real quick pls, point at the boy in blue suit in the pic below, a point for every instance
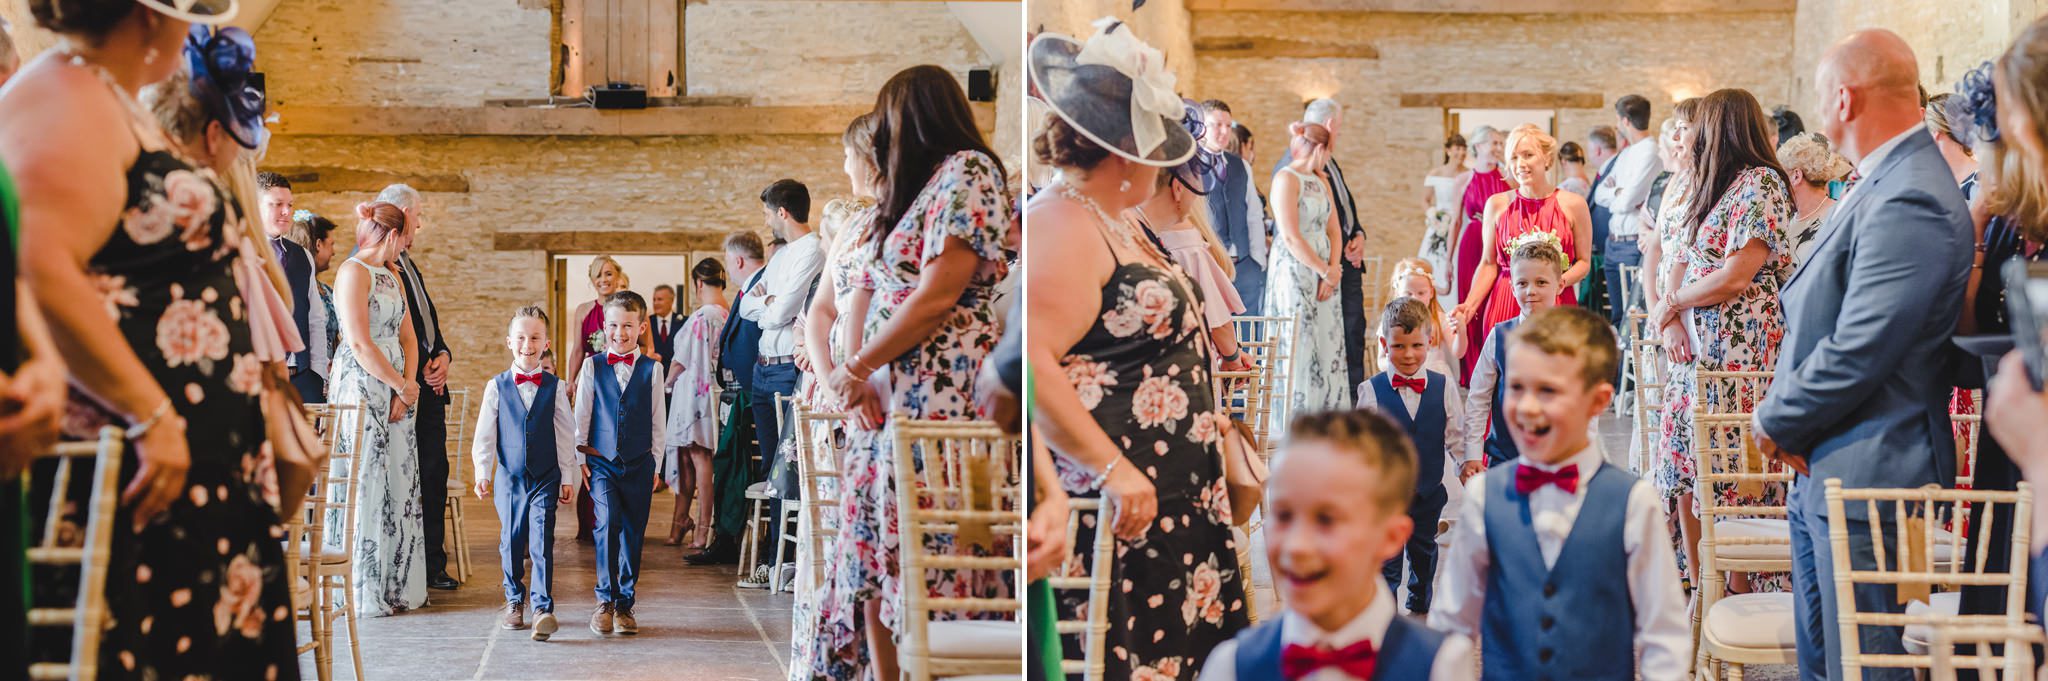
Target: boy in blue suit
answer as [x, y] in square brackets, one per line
[1560, 562]
[1421, 403]
[1536, 271]
[525, 439]
[1324, 547]
[619, 410]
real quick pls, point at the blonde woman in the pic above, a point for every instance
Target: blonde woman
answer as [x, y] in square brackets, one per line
[1811, 163]
[1535, 205]
[1177, 216]
[607, 278]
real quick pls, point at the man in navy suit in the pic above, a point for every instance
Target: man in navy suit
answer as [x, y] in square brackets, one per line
[1234, 209]
[662, 321]
[275, 193]
[1860, 394]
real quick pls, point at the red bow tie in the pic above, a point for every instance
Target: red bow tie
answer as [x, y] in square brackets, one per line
[616, 358]
[1357, 660]
[1528, 479]
[519, 379]
[1415, 384]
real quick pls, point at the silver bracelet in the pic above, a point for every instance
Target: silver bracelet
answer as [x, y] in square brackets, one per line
[141, 428]
[1109, 468]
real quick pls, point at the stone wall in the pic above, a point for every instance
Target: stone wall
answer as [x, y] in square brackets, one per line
[461, 53]
[1387, 148]
[1949, 36]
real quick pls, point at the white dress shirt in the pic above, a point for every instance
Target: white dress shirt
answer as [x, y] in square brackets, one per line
[1662, 631]
[1255, 215]
[1479, 400]
[1454, 413]
[1625, 190]
[484, 453]
[317, 323]
[586, 397]
[775, 302]
[1876, 156]
[1453, 659]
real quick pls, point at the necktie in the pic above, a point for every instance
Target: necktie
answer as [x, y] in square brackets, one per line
[520, 379]
[1357, 660]
[277, 246]
[1414, 384]
[616, 358]
[1528, 479]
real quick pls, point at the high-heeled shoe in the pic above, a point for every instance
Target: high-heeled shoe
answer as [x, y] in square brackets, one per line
[676, 533]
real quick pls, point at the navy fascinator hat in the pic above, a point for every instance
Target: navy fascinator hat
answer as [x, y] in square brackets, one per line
[223, 64]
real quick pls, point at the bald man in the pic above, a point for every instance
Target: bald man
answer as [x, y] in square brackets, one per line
[1859, 393]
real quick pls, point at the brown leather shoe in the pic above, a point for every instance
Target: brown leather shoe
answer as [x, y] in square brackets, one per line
[515, 616]
[601, 621]
[544, 626]
[624, 623]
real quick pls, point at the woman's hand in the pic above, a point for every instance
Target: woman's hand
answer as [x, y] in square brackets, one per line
[398, 409]
[863, 406]
[1242, 362]
[410, 393]
[1137, 501]
[34, 401]
[164, 457]
[1325, 289]
[1677, 344]
[1046, 537]
[842, 381]
[1463, 313]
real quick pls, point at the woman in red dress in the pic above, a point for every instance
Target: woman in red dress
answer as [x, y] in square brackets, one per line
[1535, 205]
[1481, 183]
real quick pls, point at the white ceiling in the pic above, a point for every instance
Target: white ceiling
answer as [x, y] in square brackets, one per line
[997, 26]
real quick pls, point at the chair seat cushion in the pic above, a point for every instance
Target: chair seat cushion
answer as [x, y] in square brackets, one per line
[1944, 604]
[328, 555]
[975, 639]
[759, 490]
[1753, 528]
[1753, 621]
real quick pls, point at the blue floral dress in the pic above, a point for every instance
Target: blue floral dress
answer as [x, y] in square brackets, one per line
[390, 546]
[965, 199]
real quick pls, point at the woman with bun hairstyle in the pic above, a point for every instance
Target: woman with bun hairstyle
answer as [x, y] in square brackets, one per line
[1302, 280]
[196, 583]
[372, 369]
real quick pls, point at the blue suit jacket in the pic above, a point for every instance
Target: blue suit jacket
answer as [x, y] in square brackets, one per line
[1860, 387]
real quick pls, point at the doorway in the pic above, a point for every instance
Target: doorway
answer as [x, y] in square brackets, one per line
[570, 286]
[1466, 121]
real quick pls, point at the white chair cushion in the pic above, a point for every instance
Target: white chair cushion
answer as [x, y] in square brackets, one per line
[1753, 621]
[975, 639]
[1947, 604]
[759, 490]
[1753, 528]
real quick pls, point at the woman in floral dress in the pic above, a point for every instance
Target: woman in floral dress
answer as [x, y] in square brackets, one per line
[934, 269]
[1302, 279]
[196, 577]
[1726, 274]
[1122, 390]
[372, 369]
[692, 412]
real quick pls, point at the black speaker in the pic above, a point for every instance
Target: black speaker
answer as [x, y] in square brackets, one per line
[981, 85]
[617, 96]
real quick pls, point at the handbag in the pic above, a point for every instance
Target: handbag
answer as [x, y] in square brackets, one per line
[1244, 473]
[295, 446]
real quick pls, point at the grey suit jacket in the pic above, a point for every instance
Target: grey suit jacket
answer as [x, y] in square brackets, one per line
[1860, 386]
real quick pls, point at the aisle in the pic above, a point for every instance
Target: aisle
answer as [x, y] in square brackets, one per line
[1614, 438]
[694, 624]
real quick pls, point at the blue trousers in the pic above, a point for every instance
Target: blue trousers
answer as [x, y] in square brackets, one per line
[1815, 605]
[1425, 509]
[622, 491]
[526, 529]
[1621, 253]
[1351, 295]
[1250, 282]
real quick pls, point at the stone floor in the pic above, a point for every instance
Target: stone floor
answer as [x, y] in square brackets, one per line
[694, 624]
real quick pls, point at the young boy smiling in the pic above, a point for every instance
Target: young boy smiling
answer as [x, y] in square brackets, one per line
[1424, 406]
[619, 410]
[525, 458]
[1536, 271]
[1326, 549]
[1578, 614]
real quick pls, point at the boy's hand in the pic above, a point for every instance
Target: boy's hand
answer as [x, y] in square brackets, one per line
[1470, 468]
[586, 475]
[568, 493]
[483, 489]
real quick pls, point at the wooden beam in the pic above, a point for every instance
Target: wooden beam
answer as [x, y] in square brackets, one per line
[620, 241]
[408, 121]
[1503, 100]
[337, 179]
[1257, 47]
[1498, 6]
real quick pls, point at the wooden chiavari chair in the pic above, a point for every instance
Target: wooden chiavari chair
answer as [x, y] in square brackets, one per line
[818, 441]
[1949, 640]
[331, 503]
[457, 528]
[84, 547]
[1736, 630]
[305, 533]
[958, 478]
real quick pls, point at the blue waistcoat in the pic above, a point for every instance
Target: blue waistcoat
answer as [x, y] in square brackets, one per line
[1574, 620]
[1425, 428]
[622, 421]
[526, 435]
[1408, 651]
[1499, 445]
[1227, 206]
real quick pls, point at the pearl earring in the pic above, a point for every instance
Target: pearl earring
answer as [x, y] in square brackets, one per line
[1124, 188]
[150, 56]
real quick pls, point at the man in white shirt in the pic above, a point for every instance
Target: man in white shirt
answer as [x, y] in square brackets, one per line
[774, 304]
[1622, 193]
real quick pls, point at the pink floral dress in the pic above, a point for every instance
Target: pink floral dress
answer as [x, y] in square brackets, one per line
[1143, 370]
[200, 591]
[965, 199]
[1740, 334]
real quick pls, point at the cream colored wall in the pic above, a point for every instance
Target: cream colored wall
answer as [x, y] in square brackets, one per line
[1948, 36]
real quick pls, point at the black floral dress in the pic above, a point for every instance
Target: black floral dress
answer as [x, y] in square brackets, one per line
[200, 592]
[1143, 370]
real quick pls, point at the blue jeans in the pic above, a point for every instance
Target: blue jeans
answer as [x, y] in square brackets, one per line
[1815, 605]
[1621, 253]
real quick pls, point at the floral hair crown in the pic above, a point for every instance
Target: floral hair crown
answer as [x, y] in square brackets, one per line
[1536, 237]
[302, 215]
